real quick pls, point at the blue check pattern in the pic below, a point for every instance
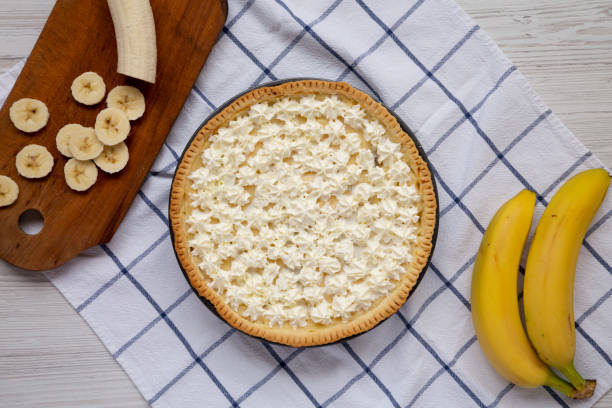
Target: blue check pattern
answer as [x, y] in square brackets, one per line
[487, 136]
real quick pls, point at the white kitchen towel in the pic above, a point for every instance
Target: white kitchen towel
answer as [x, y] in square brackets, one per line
[487, 135]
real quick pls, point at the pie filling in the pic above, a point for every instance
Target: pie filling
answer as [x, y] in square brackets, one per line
[303, 211]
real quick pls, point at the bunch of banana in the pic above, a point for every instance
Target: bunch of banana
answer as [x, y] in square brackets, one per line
[548, 286]
[495, 310]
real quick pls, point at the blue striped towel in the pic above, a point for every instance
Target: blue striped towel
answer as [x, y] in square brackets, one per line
[488, 136]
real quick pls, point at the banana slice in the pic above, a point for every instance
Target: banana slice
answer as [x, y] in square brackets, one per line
[29, 115]
[112, 126]
[62, 140]
[9, 191]
[34, 161]
[84, 145]
[113, 158]
[88, 88]
[128, 99]
[80, 175]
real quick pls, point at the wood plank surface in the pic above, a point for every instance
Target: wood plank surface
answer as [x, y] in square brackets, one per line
[101, 208]
[50, 357]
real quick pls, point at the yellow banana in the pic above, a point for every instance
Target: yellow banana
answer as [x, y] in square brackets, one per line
[551, 265]
[494, 299]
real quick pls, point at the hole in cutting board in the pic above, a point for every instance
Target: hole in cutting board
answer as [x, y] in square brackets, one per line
[31, 221]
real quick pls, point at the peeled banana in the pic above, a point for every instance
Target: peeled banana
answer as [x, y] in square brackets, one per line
[551, 265]
[34, 161]
[9, 191]
[112, 126]
[80, 175]
[127, 99]
[84, 145]
[113, 158]
[494, 299]
[88, 88]
[136, 40]
[29, 115]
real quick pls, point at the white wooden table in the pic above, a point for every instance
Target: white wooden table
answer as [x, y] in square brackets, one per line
[50, 357]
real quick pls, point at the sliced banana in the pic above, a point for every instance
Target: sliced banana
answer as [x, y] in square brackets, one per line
[62, 140]
[112, 126]
[84, 145]
[128, 99]
[113, 158]
[9, 191]
[34, 161]
[80, 175]
[29, 115]
[88, 88]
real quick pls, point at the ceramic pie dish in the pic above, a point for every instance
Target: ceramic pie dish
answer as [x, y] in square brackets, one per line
[303, 212]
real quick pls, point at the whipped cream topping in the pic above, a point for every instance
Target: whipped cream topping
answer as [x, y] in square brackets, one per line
[303, 211]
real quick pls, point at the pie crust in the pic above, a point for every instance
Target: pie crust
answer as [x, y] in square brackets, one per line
[312, 334]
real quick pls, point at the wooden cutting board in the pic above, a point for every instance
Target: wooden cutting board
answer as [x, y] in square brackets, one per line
[79, 36]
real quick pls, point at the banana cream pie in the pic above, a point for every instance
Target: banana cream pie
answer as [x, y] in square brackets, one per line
[303, 212]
